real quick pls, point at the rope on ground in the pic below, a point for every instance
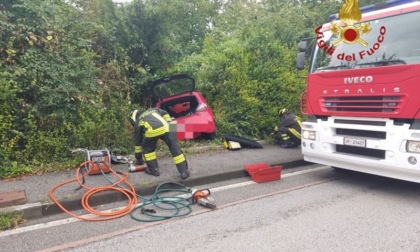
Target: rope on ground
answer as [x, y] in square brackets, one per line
[129, 193]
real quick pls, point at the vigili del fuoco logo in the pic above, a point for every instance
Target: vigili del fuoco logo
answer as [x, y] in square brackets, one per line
[350, 33]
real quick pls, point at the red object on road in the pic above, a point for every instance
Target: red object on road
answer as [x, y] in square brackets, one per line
[262, 172]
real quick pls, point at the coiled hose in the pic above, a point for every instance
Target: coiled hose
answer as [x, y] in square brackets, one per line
[130, 193]
[174, 205]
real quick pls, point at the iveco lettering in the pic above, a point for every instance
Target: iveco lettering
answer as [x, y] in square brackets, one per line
[361, 79]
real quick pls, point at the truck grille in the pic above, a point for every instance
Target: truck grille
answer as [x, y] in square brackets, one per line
[384, 104]
[363, 152]
[357, 151]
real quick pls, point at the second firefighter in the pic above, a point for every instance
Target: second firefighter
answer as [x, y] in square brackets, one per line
[288, 129]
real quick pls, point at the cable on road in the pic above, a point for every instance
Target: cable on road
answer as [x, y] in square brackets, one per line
[169, 200]
[129, 193]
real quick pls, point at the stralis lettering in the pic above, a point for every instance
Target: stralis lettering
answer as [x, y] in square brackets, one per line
[362, 91]
[358, 79]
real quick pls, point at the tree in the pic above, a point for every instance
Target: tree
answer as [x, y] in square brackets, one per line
[60, 60]
[246, 69]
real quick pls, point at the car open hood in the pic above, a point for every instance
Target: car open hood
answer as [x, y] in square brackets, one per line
[172, 86]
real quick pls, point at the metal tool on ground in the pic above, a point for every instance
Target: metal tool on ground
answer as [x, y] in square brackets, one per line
[203, 198]
[136, 168]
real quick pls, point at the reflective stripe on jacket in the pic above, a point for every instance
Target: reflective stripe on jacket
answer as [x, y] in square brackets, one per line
[152, 122]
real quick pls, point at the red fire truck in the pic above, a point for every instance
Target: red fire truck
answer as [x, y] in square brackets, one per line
[362, 98]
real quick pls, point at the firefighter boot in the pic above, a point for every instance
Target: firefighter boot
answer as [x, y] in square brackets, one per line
[154, 172]
[183, 170]
[288, 144]
[185, 174]
[152, 167]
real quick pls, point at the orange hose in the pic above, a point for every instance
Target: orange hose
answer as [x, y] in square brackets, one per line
[102, 215]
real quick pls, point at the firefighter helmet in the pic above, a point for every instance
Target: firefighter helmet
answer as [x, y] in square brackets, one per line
[283, 111]
[135, 115]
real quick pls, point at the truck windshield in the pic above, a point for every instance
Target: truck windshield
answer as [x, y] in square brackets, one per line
[391, 41]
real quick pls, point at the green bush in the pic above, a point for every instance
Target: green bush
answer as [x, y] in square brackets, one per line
[71, 71]
[245, 82]
[13, 169]
[9, 135]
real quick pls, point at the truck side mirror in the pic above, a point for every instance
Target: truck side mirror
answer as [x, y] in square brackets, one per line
[302, 46]
[300, 61]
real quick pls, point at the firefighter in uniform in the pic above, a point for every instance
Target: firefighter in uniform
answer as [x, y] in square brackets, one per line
[151, 125]
[288, 129]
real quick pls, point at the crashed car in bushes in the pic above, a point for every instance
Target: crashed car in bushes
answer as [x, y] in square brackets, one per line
[193, 117]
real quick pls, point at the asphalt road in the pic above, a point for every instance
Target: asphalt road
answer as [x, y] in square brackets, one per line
[311, 208]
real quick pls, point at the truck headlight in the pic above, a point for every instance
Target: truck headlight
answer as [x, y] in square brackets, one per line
[308, 135]
[412, 146]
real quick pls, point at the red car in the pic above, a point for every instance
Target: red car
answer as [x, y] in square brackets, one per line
[193, 117]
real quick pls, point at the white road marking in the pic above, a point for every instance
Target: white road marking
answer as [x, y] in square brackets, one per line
[222, 188]
[72, 219]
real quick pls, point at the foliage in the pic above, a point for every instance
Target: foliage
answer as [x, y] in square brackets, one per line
[63, 84]
[72, 70]
[9, 137]
[247, 72]
[9, 220]
[14, 170]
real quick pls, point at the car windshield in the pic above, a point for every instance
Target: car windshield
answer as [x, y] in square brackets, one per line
[379, 42]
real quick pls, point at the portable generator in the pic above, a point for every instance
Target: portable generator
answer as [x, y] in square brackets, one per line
[100, 161]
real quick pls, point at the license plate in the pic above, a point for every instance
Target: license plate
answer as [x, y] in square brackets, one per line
[355, 142]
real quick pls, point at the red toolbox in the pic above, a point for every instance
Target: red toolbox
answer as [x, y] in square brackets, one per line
[262, 172]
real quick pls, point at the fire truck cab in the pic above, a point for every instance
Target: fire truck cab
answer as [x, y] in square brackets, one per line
[362, 98]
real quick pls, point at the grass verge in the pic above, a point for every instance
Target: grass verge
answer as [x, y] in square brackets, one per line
[9, 220]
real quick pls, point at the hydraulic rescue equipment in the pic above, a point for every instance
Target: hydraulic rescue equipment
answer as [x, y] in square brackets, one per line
[203, 198]
[96, 161]
[136, 168]
[99, 162]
